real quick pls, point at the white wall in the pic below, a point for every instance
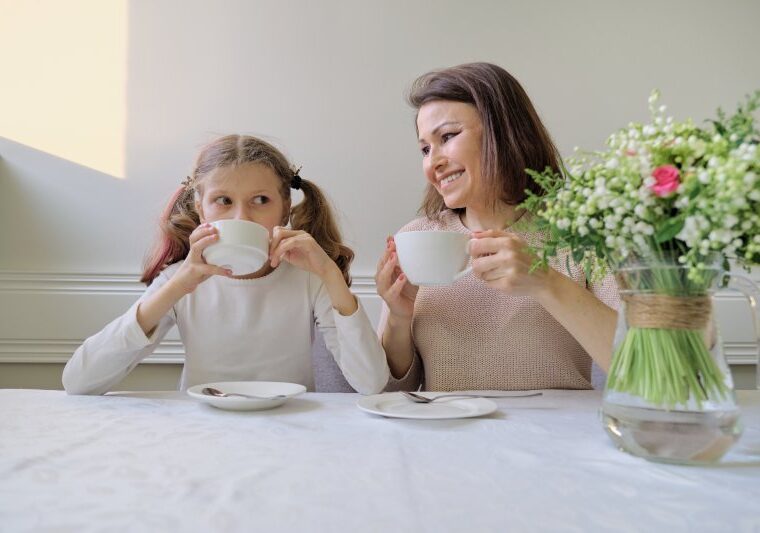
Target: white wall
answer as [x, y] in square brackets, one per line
[105, 104]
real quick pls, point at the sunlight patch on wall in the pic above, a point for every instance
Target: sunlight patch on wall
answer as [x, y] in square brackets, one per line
[64, 79]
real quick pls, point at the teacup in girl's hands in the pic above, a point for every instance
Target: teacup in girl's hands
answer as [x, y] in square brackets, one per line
[243, 246]
[433, 257]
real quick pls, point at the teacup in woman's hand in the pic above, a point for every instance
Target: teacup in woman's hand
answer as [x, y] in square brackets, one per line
[243, 246]
[433, 257]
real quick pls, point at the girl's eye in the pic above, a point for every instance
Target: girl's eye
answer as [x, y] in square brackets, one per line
[425, 150]
[446, 136]
[260, 200]
[222, 200]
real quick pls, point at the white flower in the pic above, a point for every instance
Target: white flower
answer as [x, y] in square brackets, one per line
[643, 228]
[721, 236]
[563, 223]
[612, 163]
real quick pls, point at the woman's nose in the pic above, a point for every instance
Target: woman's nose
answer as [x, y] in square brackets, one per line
[437, 160]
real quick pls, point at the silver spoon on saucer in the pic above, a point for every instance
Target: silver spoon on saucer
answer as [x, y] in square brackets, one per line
[418, 398]
[210, 391]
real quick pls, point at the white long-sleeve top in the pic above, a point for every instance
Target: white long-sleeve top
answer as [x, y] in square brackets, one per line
[238, 330]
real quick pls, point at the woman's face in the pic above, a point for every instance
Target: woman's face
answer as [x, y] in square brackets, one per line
[450, 137]
[247, 192]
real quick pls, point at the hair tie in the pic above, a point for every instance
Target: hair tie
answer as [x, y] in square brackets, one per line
[295, 181]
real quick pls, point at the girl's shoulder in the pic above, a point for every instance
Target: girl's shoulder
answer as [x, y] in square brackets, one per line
[447, 221]
[168, 272]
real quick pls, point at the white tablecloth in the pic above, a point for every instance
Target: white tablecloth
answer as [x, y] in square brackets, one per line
[162, 462]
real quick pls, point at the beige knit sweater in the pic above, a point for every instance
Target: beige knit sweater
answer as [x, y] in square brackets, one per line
[470, 336]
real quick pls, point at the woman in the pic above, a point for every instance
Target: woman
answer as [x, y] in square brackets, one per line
[503, 326]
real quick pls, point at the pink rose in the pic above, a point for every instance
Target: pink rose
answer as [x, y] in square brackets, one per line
[667, 180]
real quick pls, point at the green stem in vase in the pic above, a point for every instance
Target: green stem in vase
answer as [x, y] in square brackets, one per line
[666, 367]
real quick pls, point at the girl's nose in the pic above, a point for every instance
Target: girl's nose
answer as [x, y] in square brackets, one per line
[242, 214]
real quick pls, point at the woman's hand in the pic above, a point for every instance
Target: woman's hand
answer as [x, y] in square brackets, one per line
[301, 250]
[392, 284]
[195, 270]
[503, 260]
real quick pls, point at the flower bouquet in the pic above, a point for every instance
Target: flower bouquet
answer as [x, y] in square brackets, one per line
[665, 206]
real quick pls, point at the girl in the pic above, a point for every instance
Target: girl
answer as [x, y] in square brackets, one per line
[504, 326]
[253, 327]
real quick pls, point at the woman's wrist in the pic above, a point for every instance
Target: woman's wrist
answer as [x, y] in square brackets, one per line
[550, 287]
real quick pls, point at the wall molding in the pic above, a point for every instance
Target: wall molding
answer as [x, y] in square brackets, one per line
[40, 349]
[116, 283]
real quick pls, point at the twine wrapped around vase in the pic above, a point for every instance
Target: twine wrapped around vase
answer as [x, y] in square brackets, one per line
[667, 312]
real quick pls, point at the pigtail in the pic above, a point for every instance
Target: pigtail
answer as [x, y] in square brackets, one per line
[177, 222]
[314, 215]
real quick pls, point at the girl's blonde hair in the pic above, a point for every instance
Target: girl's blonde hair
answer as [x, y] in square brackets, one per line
[313, 215]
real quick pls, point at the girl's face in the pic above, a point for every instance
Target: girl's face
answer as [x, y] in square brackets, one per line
[247, 192]
[450, 136]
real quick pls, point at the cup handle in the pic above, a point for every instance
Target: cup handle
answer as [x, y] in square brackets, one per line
[463, 273]
[747, 286]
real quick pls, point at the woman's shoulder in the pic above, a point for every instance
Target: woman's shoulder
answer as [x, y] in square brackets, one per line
[447, 221]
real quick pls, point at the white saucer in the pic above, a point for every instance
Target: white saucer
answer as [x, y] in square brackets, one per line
[239, 258]
[395, 405]
[258, 388]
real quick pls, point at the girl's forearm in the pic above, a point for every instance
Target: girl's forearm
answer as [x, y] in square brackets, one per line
[582, 314]
[343, 300]
[154, 307]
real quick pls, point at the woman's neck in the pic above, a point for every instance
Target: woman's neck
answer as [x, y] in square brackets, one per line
[480, 219]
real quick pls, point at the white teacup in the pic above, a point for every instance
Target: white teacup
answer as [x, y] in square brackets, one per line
[433, 257]
[243, 246]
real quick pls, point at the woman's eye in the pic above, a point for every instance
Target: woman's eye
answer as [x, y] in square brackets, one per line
[446, 136]
[425, 150]
[222, 200]
[260, 200]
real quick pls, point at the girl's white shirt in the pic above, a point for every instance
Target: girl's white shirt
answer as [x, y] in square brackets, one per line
[238, 330]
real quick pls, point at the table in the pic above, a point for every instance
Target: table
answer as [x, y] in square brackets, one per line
[163, 462]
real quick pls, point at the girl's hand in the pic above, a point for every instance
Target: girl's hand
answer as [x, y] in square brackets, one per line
[301, 250]
[195, 270]
[392, 284]
[503, 260]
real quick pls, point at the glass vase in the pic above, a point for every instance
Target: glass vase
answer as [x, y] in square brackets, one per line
[669, 394]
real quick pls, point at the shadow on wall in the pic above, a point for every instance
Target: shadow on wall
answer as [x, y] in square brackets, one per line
[51, 213]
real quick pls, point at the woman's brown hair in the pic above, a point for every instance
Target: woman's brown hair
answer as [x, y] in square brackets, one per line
[514, 137]
[313, 214]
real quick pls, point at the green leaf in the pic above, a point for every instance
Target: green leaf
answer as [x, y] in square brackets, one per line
[669, 230]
